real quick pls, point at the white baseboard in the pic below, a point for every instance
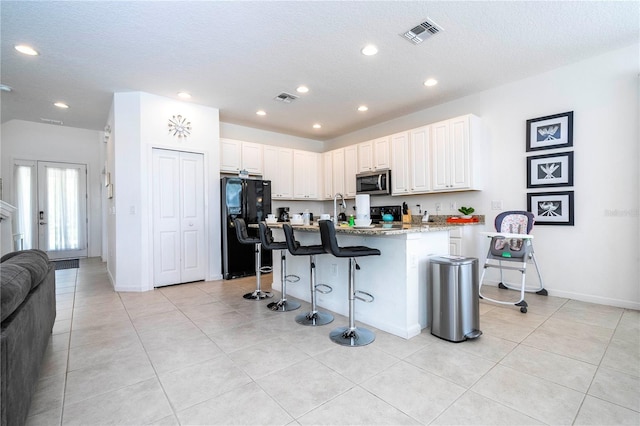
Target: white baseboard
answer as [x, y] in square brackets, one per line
[628, 304]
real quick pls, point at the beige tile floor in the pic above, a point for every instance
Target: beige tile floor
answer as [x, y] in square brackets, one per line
[201, 354]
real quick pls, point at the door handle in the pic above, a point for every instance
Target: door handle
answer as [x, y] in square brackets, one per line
[43, 223]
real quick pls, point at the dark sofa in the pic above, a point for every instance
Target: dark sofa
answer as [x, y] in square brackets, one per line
[28, 311]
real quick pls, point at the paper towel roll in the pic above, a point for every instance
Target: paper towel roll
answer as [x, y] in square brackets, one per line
[362, 206]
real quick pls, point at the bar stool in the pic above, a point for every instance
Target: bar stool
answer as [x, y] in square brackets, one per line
[283, 305]
[351, 335]
[244, 238]
[314, 317]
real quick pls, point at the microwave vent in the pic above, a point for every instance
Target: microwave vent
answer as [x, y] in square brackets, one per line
[422, 31]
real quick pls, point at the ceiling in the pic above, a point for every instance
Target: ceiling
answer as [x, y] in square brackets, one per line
[238, 55]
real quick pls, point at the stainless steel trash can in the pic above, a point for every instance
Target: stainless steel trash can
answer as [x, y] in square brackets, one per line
[455, 311]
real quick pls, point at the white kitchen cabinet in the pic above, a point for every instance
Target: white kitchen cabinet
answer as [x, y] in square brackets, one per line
[238, 155]
[455, 242]
[327, 164]
[455, 150]
[400, 163]
[306, 166]
[419, 160]
[466, 241]
[382, 153]
[337, 157]
[365, 156]
[350, 170]
[374, 155]
[278, 168]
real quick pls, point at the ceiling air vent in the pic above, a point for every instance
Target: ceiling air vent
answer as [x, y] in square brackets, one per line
[285, 97]
[421, 32]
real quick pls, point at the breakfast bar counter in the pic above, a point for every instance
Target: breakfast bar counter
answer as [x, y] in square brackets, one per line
[397, 278]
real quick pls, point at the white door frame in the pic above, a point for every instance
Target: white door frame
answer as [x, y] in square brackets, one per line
[202, 207]
[41, 213]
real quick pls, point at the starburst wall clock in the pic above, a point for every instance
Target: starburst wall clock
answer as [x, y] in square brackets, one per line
[179, 126]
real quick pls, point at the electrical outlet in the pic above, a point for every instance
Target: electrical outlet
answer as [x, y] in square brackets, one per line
[453, 206]
[438, 207]
[496, 205]
[334, 270]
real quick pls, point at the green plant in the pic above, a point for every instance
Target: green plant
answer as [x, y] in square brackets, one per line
[466, 210]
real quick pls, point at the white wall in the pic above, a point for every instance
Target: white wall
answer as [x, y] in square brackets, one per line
[596, 260]
[250, 134]
[139, 125]
[26, 140]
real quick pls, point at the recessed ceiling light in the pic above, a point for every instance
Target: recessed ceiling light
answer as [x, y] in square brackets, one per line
[431, 82]
[369, 50]
[27, 50]
[61, 105]
[302, 89]
[261, 112]
[363, 108]
[184, 95]
[317, 126]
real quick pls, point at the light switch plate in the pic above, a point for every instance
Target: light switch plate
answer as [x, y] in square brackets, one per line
[496, 205]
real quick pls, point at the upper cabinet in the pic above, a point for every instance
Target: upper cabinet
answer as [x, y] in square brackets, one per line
[350, 171]
[238, 155]
[419, 163]
[278, 168]
[327, 164]
[400, 163]
[306, 167]
[455, 150]
[337, 157]
[374, 155]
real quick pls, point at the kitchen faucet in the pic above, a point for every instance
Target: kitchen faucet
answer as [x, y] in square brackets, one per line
[335, 206]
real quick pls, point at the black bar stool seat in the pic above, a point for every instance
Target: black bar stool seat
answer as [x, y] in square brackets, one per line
[244, 238]
[266, 237]
[351, 335]
[314, 317]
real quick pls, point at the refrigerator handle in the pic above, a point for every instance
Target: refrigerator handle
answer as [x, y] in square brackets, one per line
[244, 203]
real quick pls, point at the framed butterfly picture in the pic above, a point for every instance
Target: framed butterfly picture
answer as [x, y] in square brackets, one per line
[551, 170]
[552, 131]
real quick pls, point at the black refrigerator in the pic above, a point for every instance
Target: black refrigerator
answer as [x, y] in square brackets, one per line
[248, 199]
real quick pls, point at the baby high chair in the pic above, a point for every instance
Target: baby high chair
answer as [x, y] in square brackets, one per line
[512, 243]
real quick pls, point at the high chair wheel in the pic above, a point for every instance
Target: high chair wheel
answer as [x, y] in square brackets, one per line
[502, 286]
[542, 292]
[523, 310]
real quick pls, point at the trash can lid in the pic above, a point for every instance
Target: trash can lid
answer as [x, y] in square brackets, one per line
[453, 260]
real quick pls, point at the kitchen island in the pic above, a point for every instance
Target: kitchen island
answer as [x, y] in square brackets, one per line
[397, 278]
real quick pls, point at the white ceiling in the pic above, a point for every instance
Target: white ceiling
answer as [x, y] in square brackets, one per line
[237, 56]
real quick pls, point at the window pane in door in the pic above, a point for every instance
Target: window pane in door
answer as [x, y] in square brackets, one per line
[63, 208]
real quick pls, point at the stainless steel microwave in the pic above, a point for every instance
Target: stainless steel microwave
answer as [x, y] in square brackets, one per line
[374, 183]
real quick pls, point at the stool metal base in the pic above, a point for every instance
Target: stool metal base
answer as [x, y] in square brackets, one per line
[347, 336]
[283, 306]
[317, 318]
[257, 295]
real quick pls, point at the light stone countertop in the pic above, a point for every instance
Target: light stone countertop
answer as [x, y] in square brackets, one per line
[394, 228]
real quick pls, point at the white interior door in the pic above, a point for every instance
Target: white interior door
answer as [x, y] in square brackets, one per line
[178, 217]
[62, 209]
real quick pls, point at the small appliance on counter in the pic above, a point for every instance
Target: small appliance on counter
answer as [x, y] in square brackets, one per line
[377, 213]
[283, 214]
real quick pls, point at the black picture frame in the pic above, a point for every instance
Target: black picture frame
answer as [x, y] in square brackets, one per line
[552, 131]
[551, 208]
[550, 170]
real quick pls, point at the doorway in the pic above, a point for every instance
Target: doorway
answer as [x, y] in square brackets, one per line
[52, 202]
